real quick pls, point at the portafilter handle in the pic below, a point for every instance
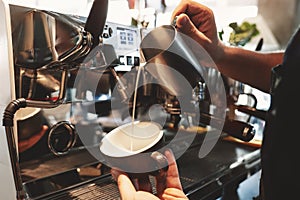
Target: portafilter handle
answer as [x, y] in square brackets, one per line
[239, 129]
[261, 114]
[234, 128]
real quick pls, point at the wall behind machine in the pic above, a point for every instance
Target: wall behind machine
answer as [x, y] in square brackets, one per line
[282, 17]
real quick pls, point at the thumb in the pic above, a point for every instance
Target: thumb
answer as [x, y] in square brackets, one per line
[186, 26]
[126, 188]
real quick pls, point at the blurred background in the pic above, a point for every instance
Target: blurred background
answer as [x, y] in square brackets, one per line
[281, 16]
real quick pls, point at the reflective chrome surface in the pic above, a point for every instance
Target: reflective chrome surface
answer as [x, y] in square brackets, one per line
[43, 37]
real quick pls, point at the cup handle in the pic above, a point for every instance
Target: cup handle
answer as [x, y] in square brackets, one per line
[162, 164]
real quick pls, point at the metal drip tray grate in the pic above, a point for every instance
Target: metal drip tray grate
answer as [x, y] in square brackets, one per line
[94, 191]
[100, 190]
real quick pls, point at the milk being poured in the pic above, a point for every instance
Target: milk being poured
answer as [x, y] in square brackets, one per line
[133, 107]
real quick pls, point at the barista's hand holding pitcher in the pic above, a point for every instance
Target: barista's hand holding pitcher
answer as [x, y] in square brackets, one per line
[168, 187]
[198, 22]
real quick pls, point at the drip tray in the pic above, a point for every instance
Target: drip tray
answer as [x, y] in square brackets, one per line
[74, 176]
[50, 165]
[101, 188]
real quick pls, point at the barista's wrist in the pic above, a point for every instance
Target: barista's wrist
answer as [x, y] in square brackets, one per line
[219, 56]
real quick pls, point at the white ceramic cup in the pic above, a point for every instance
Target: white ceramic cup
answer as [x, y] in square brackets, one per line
[133, 147]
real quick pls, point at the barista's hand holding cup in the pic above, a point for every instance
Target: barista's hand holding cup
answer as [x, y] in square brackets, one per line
[134, 148]
[168, 186]
[132, 152]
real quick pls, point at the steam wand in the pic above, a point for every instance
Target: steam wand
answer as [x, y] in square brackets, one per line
[8, 122]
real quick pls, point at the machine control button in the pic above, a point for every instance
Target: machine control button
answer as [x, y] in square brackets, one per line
[129, 60]
[110, 31]
[136, 61]
[122, 60]
[105, 35]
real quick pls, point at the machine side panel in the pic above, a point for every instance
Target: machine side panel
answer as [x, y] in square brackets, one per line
[7, 189]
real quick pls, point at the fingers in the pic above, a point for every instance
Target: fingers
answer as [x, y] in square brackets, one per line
[198, 22]
[198, 30]
[141, 195]
[181, 8]
[186, 26]
[173, 194]
[115, 173]
[172, 179]
[144, 183]
[168, 184]
[160, 184]
[191, 8]
[126, 188]
[194, 19]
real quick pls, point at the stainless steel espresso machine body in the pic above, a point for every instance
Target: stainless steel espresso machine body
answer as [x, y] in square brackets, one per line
[64, 67]
[78, 74]
[44, 49]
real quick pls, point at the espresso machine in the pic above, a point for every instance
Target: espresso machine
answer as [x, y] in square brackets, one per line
[58, 74]
[42, 50]
[76, 76]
